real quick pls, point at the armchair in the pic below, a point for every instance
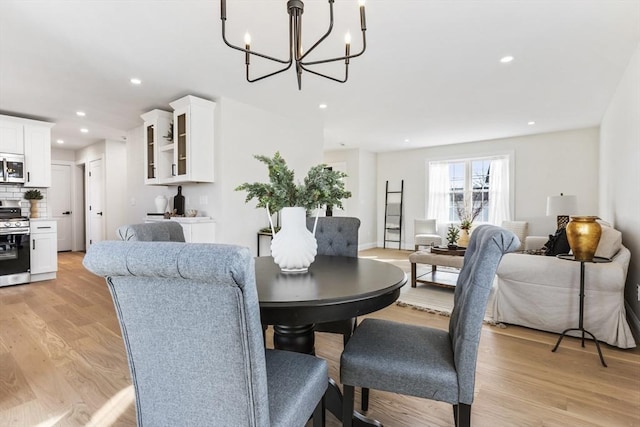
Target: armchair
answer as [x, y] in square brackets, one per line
[190, 322]
[426, 233]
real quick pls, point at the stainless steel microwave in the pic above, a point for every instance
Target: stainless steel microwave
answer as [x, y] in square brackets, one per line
[12, 168]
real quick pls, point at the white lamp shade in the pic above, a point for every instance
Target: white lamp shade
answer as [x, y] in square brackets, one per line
[562, 205]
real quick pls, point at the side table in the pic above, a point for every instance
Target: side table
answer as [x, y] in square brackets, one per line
[581, 315]
[260, 234]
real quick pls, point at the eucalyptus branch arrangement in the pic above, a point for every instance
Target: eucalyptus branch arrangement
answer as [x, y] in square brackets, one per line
[322, 186]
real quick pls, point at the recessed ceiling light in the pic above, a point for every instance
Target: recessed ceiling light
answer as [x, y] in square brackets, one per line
[406, 140]
[59, 141]
[135, 81]
[506, 59]
[531, 123]
[322, 106]
[80, 113]
[84, 130]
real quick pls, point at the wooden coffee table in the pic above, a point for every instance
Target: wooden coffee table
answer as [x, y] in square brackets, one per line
[435, 257]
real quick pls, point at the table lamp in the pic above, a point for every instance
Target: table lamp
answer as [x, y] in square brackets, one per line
[562, 206]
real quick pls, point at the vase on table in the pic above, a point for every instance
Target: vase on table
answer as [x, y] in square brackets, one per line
[463, 240]
[583, 234]
[294, 247]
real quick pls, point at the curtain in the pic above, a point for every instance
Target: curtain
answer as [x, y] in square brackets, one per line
[499, 191]
[438, 201]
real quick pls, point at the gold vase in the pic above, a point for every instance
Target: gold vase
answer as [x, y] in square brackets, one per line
[583, 234]
[33, 211]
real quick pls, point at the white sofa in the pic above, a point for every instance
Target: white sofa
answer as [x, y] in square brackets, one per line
[542, 292]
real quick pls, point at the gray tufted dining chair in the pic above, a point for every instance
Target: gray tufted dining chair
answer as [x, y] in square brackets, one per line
[190, 322]
[161, 231]
[336, 236]
[426, 362]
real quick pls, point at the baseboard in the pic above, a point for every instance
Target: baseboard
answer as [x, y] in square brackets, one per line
[634, 322]
[365, 246]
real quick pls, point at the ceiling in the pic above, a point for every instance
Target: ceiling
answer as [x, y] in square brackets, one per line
[431, 74]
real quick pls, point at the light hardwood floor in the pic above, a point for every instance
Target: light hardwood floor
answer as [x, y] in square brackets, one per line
[62, 363]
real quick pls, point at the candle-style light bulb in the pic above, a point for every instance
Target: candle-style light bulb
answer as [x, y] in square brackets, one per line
[247, 46]
[347, 47]
[363, 20]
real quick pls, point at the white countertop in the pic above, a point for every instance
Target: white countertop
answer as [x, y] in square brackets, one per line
[192, 219]
[41, 219]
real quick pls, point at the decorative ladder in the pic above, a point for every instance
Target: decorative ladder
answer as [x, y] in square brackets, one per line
[393, 215]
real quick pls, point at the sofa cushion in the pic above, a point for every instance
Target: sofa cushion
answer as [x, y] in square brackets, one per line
[610, 242]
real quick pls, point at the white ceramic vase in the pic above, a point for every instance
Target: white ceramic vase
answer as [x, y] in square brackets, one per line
[293, 247]
[161, 204]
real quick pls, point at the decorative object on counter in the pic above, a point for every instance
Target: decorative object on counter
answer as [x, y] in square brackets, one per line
[33, 196]
[178, 202]
[583, 234]
[452, 236]
[191, 213]
[161, 204]
[294, 247]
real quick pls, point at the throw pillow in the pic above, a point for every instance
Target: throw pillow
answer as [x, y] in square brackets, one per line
[610, 242]
[557, 244]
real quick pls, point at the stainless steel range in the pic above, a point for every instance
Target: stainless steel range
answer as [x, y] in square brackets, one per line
[14, 245]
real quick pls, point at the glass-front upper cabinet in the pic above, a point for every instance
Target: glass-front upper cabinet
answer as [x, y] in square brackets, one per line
[158, 140]
[194, 140]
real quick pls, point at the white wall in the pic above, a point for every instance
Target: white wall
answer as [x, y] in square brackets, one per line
[114, 155]
[241, 131]
[620, 173]
[361, 181]
[244, 132]
[545, 164]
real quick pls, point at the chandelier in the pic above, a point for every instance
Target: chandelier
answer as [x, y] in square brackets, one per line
[295, 9]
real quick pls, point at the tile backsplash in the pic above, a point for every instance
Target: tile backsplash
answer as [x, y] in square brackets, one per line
[16, 192]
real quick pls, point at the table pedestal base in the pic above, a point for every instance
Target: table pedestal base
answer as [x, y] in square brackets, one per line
[301, 339]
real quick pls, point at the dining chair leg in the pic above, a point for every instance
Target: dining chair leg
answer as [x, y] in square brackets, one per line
[462, 415]
[364, 403]
[347, 405]
[318, 414]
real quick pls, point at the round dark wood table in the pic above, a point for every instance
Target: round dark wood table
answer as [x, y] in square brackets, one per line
[334, 288]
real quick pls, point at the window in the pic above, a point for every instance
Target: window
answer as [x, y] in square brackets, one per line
[472, 186]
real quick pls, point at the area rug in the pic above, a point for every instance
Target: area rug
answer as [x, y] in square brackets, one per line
[424, 297]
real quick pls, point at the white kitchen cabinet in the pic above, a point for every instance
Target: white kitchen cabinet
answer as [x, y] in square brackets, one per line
[33, 139]
[37, 156]
[44, 249]
[11, 135]
[193, 138]
[157, 126]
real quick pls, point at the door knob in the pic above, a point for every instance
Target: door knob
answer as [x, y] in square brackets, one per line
[99, 213]
[66, 213]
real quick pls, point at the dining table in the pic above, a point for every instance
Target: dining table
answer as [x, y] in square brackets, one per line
[334, 288]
